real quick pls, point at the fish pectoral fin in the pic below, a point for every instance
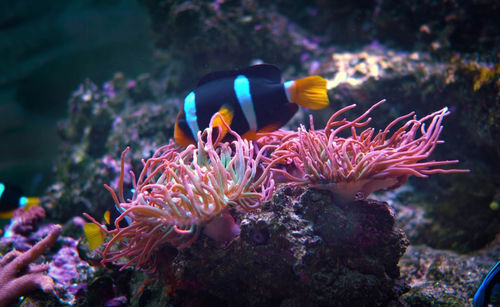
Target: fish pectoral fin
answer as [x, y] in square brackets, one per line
[94, 234]
[310, 92]
[253, 135]
[223, 121]
[249, 135]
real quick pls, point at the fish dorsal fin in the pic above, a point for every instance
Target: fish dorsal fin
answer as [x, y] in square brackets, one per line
[107, 217]
[266, 71]
[216, 75]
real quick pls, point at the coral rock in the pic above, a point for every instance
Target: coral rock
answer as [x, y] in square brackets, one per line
[302, 249]
[18, 278]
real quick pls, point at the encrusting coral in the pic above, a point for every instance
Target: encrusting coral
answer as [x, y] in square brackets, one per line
[180, 191]
[25, 222]
[18, 278]
[362, 162]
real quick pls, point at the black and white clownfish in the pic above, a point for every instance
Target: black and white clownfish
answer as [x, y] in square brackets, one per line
[250, 100]
[12, 198]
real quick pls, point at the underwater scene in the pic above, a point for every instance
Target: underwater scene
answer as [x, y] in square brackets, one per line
[249, 153]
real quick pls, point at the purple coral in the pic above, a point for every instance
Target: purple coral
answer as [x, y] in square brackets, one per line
[69, 272]
[25, 222]
[17, 277]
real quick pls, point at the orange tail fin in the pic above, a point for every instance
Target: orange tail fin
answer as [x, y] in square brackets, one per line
[309, 92]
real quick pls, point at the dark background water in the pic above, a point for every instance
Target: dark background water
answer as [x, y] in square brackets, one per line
[47, 48]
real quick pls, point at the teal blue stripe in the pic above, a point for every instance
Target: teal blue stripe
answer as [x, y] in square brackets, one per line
[242, 91]
[23, 200]
[190, 111]
[288, 88]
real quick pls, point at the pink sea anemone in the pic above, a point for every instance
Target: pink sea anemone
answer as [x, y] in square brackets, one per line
[364, 161]
[180, 191]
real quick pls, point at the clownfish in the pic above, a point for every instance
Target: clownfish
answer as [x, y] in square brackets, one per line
[488, 293]
[95, 234]
[12, 198]
[250, 100]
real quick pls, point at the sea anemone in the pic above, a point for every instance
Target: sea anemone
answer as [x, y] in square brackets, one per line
[179, 191]
[362, 162]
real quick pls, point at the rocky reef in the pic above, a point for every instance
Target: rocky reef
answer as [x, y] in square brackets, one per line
[294, 234]
[302, 247]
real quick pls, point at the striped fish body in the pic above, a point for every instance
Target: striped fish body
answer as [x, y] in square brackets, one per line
[254, 100]
[12, 198]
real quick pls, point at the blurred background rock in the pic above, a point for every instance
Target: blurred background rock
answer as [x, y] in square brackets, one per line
[47, 48]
